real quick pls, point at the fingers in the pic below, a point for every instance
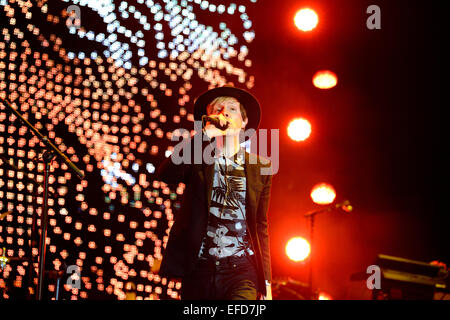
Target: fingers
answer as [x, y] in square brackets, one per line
[222, 119]
[224, 122]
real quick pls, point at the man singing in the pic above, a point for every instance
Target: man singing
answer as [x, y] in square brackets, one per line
[219, 243]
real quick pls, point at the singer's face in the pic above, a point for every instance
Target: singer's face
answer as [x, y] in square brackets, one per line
[230, 108]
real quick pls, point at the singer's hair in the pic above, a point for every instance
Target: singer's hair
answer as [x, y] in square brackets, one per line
[223, 99]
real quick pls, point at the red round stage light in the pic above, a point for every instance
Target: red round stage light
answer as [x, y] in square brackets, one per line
[323, 193]
[298, 249]
[306, 19]
[299, 129]
[325, 79]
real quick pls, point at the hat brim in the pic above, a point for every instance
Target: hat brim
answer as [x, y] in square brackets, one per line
[249, 102]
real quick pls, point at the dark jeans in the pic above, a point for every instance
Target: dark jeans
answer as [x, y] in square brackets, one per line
[233, 278]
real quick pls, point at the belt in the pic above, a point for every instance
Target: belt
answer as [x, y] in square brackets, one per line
[230, 261]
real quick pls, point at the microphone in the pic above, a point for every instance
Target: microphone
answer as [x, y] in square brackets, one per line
[346, 206]
[215, 121]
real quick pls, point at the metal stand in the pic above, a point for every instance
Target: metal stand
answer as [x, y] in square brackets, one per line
[33, 243]
[49, 154]
[312, 293]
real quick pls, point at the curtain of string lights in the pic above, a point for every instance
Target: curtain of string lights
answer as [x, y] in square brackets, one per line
[109, 92]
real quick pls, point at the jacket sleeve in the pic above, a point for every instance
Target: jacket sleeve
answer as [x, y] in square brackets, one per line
[262, 227]
[169, 172]
[177, 167]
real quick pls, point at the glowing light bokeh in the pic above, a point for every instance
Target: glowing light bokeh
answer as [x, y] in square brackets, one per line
[109, 98]
[298, 249]
[306, 19]
[325, 79]
[323, 193]
[299, 129]
[324, 296]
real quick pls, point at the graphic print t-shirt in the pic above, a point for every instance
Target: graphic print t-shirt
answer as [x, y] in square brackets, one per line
[226, 233]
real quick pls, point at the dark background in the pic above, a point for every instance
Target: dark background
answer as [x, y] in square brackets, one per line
[379, 137]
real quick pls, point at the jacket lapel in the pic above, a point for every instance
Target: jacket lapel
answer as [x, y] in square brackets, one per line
[208, 171]
[250, 198]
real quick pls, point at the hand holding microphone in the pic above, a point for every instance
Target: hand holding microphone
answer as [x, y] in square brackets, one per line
[216, 125]
[219, 121]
